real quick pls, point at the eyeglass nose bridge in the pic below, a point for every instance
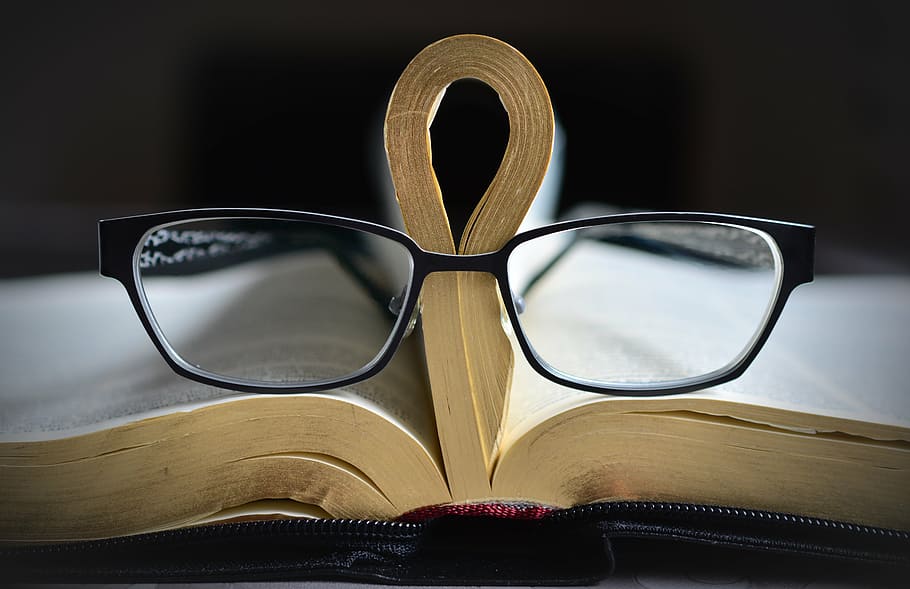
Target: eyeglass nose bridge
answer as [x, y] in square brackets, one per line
[491, 262]
[427, 263]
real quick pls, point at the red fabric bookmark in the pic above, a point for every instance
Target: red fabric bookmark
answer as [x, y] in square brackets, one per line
[506, 510]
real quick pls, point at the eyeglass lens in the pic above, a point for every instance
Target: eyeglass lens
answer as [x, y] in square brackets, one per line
[646, 302]
[270, 300]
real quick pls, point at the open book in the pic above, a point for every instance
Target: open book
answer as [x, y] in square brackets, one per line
[98, 438]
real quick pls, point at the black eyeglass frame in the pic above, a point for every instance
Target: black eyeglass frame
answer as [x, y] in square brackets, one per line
[120, 242]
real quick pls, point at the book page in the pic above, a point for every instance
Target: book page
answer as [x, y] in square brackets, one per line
[839, 350]
[74, 356]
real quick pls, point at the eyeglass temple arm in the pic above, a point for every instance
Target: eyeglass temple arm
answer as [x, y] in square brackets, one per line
[663, 247]
[519, 298]
[379, 295]
[348, 262]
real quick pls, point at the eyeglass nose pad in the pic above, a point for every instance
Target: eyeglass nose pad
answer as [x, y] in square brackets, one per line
[395, 305]
[519, 302]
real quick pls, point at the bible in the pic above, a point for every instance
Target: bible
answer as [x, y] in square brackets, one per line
[100, 439]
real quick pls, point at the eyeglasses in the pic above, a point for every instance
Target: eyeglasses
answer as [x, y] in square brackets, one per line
[273, 301]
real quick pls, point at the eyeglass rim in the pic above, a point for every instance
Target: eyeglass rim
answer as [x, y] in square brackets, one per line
[795, 243]
[121, 239]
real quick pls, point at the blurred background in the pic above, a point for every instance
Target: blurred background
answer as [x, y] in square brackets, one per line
[797, 111]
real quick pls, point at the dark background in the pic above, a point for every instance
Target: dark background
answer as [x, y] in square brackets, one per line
[798, 111]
